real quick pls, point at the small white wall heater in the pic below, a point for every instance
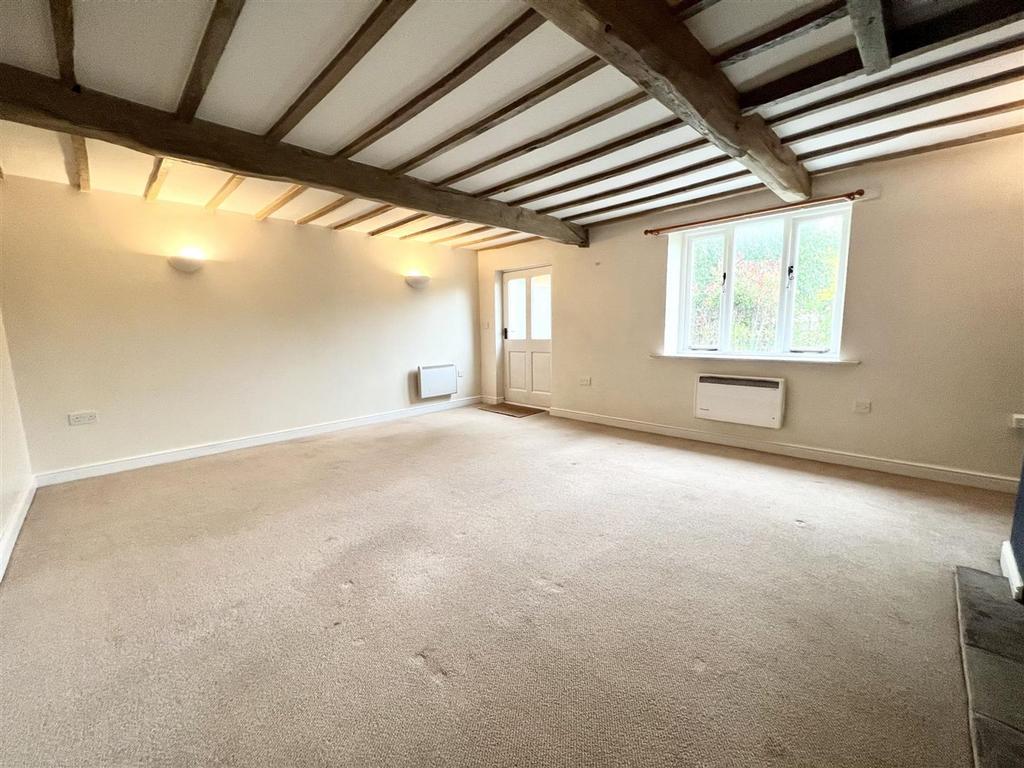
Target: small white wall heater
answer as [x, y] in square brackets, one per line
[437, 380]
[740, 399]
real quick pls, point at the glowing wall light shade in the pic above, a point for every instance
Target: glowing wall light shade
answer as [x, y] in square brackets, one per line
[416, 280]
[189, 259]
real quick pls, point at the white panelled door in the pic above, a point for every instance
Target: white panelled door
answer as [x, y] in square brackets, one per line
[527, 334]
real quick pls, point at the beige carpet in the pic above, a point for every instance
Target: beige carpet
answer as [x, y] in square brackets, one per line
[463, 590]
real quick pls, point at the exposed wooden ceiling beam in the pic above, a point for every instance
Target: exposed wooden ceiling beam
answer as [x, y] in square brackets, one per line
[538, 142]
[687, 9]
[33, 99]
[668, 62]
[377, 24]
[484, 240]
[157, 176]
[515, 107]
[280, 201]
[869, 27]
[905, 43]
[215, 39]
[226, 189]
[784, 33]
[461, 235]
[489, 52]
[359, 218]
[876, 86]
[331, 207]
[79, 163]
[396, 224]
[62, 20]
[508, 245]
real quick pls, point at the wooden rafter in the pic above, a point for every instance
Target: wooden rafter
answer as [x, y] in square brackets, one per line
[869, 27]
[33, 99]
[215, 39]
[489, 52]
[515, 107]
[396, 224]
[508, 245]
[592, 118]
[687, 9]
[226, 189]
[790, 30]
[62, 20]
[487, 239]
[434, 228]
[377, 24]
[359, 218]
[461, 235]
[79, 163]
[670, 64]
[280, 201]
[157, 176]
[331, 207]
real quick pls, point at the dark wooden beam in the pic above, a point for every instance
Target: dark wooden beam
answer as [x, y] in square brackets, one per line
[489, 52]
[215, 39]
[79, 163]
[516, 107]
[869, 27]
[784, 33]
[668, 62]
[377, 24]
[33, 99]
[396, 224]
[904, 43]
[331, 207]
[62, 20]
[226, 189]
[280, 201]
[157, 176]
[538, 142]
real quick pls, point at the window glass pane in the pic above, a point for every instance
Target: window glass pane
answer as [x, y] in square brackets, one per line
[540, 307]
[516, 317]
[816, 273]
[707, 257]
[757, 270]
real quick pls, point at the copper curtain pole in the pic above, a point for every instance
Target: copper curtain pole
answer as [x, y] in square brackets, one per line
[851, 196]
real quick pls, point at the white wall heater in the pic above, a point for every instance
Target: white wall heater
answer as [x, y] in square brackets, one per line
[740, 399]
[437, 380]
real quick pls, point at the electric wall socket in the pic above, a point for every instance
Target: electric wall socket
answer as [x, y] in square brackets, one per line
[585, 381]
[79, 418]
[862, 406]
[1017, 421]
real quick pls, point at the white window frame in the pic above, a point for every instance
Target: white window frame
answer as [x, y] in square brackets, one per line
[680, 265]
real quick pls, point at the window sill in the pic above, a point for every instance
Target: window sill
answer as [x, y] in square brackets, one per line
[753, 359]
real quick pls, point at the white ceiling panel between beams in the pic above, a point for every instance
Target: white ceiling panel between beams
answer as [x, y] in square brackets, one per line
[921, 139]
[599, 89]
[725, 186]
[642, 115]
[118, 169]
[191, 184]
[275, 51]
[430, 39]
[309, 201]
[252, 195]
[32, 152]
[379, 221]
[543, 54]
[139, 51]
[732, 21]
[26, 36]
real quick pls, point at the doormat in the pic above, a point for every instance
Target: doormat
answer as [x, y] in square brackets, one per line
[509, 409]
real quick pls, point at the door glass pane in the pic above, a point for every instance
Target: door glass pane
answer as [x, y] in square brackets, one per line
[757, 270]
[816, 273]
[540, 307]
[707, 258]
[516, 317]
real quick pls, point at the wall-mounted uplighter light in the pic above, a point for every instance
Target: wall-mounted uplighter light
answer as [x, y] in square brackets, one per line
[416, 280]
[189, 259]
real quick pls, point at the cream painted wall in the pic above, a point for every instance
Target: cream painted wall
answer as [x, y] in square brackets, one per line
[17, 482]
[284, 327]
[934, 312]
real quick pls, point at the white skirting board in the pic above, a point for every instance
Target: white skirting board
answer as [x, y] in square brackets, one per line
[492, 400]
[10, 535]
[1011, 570]
[194, 451]
[990, 482]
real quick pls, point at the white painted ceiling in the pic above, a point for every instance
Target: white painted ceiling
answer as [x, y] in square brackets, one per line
[143, 50]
